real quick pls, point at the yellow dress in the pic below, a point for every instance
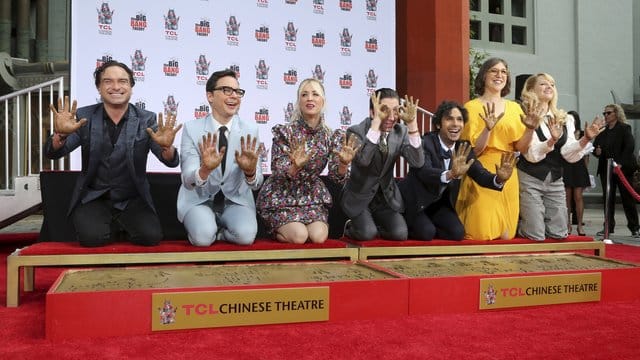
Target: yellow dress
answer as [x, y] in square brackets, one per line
[486, 214]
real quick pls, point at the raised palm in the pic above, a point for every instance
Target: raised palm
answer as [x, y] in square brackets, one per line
[247, 157]
[210, 157]
[64, 119]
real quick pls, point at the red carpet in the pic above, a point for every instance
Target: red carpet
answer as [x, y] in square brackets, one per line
[578, 331]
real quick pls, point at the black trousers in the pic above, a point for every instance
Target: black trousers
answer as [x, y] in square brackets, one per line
[98, 223]
[439, 221]
[628, 203]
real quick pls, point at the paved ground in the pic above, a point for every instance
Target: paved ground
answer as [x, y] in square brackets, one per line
[593, 219]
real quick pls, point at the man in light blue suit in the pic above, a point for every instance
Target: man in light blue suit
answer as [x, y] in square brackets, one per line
[220, 169]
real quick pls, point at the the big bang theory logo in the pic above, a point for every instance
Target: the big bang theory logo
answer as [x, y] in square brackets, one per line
[290, 77]
[262, 3]
[203, 27]
[171, 68]
[371, 45]
[346, 5]
[346, 81]
[262, 33]
[262, 115]
[236, 69]
[317, 39]
[201, 111]
[139, 22]
[105, 19]
[171, 25]
[103, 59]
[141, 104]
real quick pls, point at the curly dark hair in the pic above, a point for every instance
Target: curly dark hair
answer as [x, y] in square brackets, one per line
[97, 74]
[444, 109]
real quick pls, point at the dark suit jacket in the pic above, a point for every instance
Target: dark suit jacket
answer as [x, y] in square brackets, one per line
[422, 187]
[89, 137]
[616, 143]
[370, 171]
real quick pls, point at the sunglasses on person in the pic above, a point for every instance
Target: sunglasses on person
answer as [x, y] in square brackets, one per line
[606, 113]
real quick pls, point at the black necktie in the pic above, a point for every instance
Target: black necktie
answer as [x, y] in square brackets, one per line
[446, 154]
[222, 143]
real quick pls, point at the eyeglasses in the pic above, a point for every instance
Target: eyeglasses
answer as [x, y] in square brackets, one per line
[229, 90]
[498, 72]
[606, 113]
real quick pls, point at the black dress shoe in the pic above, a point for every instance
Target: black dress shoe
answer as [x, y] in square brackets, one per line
[635, 234]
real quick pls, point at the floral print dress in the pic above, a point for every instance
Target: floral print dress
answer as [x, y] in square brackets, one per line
[304, 197]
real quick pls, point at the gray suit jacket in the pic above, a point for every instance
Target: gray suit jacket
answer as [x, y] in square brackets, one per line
[370, 171]
[89, 138]
[232, 184]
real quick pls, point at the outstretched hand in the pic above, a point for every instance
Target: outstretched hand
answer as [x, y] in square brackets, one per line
[532, 116]
[298, 154]
[508, 162]
[409, 110]
[555, 128]
[350, 147]
[596, 127]
[489, 116]
[166, 131]
[64, 119]
[459, 163]
[380, 112]
[210, 157]
[247, 157]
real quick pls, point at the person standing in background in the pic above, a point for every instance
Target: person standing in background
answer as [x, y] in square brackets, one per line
[617, 142]
[576, 179]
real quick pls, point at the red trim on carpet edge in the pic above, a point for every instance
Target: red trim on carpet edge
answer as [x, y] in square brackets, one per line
[19, 237]
[389, 243]
[56, 248]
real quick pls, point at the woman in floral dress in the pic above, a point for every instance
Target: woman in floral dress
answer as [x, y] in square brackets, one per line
[294, 201]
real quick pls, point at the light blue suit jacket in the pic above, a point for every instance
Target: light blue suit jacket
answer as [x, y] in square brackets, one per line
[232, 184]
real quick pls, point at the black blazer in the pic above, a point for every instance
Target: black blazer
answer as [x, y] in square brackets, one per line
[616, 143]
[422, 187]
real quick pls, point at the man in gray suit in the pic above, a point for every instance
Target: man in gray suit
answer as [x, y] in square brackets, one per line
[371, 199]
[215, 201]
[112, 192]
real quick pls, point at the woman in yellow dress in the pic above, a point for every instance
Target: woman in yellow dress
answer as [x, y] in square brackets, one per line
[488, 214]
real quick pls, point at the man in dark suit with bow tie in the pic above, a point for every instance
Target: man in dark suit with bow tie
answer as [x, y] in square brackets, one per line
[430, 191]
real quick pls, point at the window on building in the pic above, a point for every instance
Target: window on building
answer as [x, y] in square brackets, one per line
[501, 24]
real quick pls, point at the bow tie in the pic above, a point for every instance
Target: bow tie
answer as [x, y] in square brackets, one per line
[446, 154]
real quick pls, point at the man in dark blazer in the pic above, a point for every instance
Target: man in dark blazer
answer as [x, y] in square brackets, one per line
[616, 142]
[112, 191]
[371, 198]
[430, 191]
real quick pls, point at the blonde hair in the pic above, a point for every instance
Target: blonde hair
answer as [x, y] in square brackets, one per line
[529, 97]
[619, 112]
[316, 85]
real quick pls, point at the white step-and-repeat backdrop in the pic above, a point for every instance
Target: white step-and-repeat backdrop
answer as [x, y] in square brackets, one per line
[174, 46]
